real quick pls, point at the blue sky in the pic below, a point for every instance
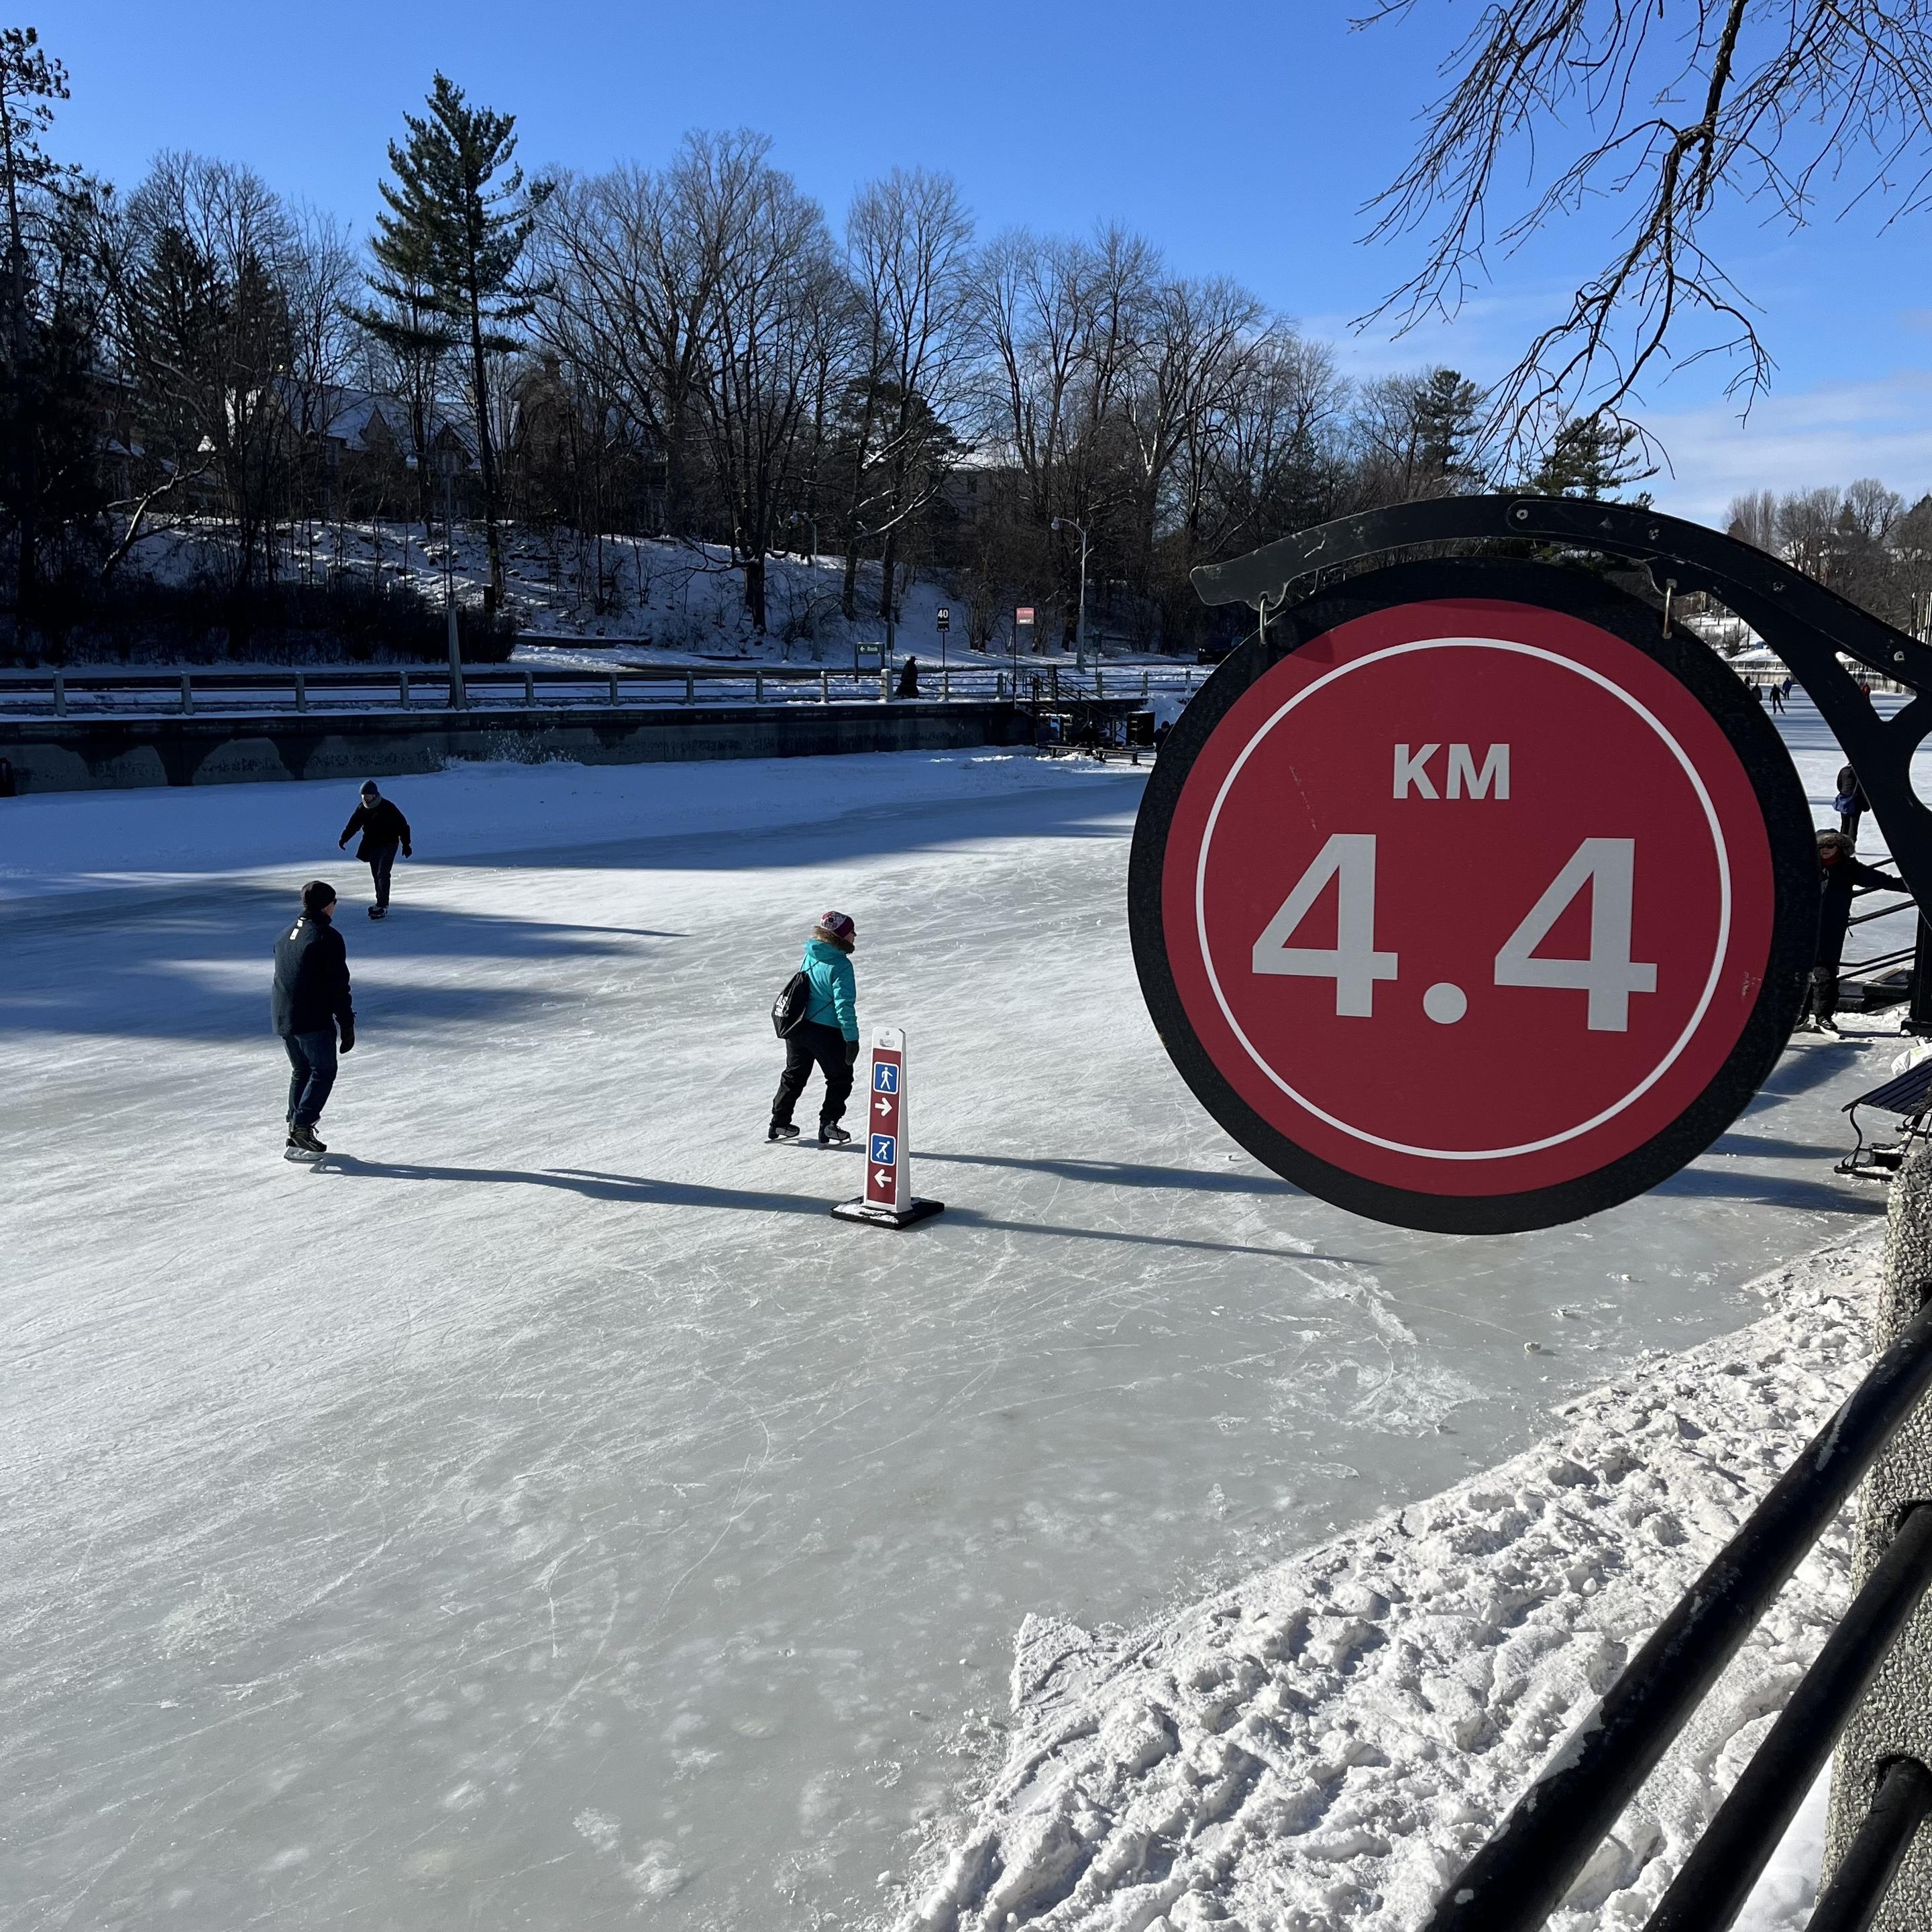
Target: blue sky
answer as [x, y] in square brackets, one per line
[1242, 138]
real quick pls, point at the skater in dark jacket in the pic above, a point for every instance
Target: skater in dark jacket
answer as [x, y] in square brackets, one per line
[1840, 874]
[383, 828]
[310, 1007]
[828, 1035]
[909, 678]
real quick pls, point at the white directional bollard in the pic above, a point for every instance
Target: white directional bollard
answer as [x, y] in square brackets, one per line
[888, 1201]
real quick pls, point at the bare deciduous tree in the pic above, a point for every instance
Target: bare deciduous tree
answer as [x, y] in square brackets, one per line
[906, 239]
[1665, 111]
[199, 264]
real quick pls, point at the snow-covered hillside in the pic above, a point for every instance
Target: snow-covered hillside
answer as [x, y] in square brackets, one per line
[682, 599]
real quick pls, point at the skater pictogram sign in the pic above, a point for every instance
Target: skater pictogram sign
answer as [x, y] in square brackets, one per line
[886, 1185]
[1466, 898]
[888, 1197]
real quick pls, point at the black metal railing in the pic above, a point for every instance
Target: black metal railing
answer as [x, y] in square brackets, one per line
[1871, 1862]
[1520, 1876]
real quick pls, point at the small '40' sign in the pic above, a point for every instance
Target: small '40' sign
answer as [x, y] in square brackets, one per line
[1470, 900]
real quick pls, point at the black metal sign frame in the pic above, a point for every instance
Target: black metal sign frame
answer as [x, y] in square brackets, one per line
[1810, 627]
[1807, 625]
[1753, 740]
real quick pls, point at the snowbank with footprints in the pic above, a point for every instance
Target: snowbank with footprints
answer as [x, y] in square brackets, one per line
[1323, 1745]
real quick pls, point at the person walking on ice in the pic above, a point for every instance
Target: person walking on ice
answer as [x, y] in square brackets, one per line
[383, 828]
[828, 1035]
[310, 1006]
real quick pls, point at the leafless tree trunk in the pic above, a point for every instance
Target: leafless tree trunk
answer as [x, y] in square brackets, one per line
[906, 239]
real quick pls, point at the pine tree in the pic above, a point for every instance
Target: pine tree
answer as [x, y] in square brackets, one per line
[460, 217]
[47, 360]
[1588, 457]
[1446, 411]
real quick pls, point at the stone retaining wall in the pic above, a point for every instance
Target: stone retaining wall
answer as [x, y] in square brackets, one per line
[112, 754]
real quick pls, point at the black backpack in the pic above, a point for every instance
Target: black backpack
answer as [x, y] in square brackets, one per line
[788, 1009]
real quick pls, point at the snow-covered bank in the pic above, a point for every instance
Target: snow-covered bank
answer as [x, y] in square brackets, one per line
[1325, 1745]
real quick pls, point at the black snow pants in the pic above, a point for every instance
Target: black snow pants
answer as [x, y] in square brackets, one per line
[381, 865]
[1821, 993]
[807, 1043]
[311, 1074]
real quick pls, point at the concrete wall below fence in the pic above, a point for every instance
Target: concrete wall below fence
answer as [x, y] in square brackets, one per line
[112, 754]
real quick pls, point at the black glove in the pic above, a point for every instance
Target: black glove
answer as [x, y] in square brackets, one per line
[851, 1053]
[348, 1030]
[407, 853]
[340, 843]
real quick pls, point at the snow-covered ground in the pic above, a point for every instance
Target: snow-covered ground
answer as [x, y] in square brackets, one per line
[544, 1514]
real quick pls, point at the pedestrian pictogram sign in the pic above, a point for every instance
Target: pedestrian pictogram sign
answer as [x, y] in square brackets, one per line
[888, 1197]
[1472, 901]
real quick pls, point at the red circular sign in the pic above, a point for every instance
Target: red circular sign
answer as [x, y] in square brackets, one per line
[1469, 898]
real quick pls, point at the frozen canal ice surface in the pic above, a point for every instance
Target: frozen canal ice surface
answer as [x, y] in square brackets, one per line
[544, 1512]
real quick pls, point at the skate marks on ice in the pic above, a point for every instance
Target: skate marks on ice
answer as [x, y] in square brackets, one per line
[1227, 1179]
[632, 1189]
[639, 1191]
[1328, 1742]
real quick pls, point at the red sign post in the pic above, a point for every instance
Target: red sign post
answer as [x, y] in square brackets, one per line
[1473, 912]
[888, 1200]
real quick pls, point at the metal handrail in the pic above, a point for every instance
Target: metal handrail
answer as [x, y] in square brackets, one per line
[106, 676]
[1901, 1803]
[294, 687]
[1883, 912]
[1710, 1891]
[1518, 1878]
[1863, 969]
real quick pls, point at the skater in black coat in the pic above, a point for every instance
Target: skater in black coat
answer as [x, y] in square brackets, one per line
[909, 678]
[310, 1007]
[383, 828]
[1841, 874]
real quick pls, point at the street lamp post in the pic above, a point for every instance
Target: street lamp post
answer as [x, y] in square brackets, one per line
[447, 461]
[1080, 622]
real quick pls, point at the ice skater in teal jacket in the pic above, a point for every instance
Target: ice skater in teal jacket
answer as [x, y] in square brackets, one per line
[828, 1035]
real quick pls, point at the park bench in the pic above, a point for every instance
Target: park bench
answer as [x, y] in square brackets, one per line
[1906, 1097]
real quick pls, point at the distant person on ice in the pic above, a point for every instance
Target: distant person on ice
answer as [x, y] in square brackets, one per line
[1840, 874]
[310, 1006]
[383, 828]
[909, 678]
[828, 1035]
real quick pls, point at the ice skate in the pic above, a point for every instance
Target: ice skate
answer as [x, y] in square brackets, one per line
[782, 1130]
[302, 1141]
[831, 1134]
[379, 912]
